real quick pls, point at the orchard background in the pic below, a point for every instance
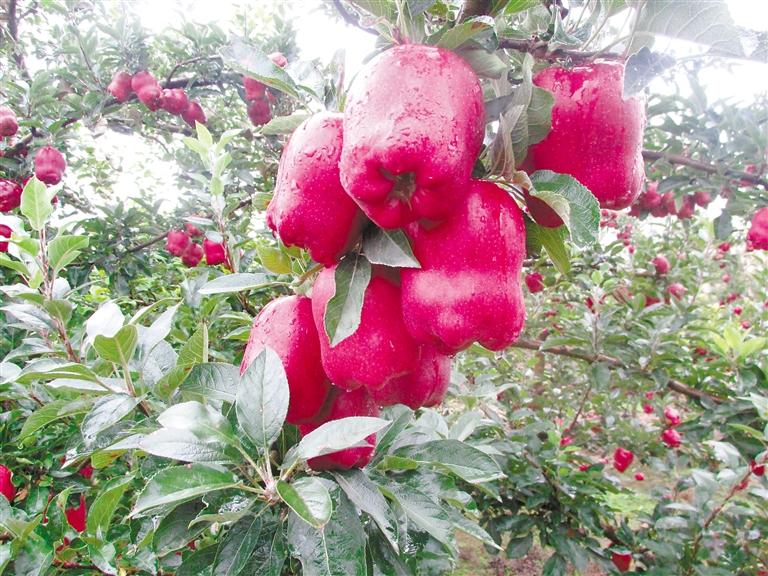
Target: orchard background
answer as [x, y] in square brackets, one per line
[625, 428]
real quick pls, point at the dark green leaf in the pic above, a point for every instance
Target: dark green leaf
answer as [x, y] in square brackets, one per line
[215, 381]
[308, 498]
[342, 315]
[573, 202]
[107, 411]
[120, 347]
[388, 248]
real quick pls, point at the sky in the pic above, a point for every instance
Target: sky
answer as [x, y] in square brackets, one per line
[320, 36]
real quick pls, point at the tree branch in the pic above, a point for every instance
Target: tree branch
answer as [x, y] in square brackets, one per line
[347, 16]
[653, 155]
[540, 49]
[472, 8]
[13, 30]
[570, 352]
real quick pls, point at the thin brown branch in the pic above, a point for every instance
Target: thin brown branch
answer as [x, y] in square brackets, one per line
[183, 63]
[13, 31]
[540, 49]
[577, 354]
[653, 156]
[349, 18]
[146, 244]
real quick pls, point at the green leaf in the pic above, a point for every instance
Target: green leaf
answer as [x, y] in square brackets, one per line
[236, 547]
[338, 435]
[388, 248]
[366, 496]
[63, 250]
[201, 420]
[308, 498]
[463, 460]
[336, 549]
[342, 314]
[50, 369]
[36, 203]
[249, 60]
[424, 512]
[574, 203]
[120, 347]
[107, 411]
[284, 124]
[199, 563]
[466, 31]
[485, 64]
[230, 283]
[262, 399]
[51, 412]
[185, 446]
[103, 508]
[274, 260]
[195, 351]
[271, 551]
[180, 484]
[174, 530]
[553, 241]
[214, 381]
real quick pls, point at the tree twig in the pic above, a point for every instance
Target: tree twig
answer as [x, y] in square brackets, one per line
[654, 155]
[347, 16]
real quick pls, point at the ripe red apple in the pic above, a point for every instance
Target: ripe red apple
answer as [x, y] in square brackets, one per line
[7, 488]
[192, 255]
[193, 231]
[176, 242]
[381, 332]
[673, 416]
[661, 264]
[596, 134]
[534, 281]
[174, 101]
[10, 195]
[345, 404]
[76, 517]
[757, 469]
[622, 560]
[120, 86]
[286, 326]
[622, 459]
[425, 386]
[278, 59]
[639, 476]
[194, 113]
[677, 290]
[702, 198]
[310, 208]
[9, 125]
[566, 441]
[147, 90]
[414, 122]
[647, 408]
[254, 90]
[49, 165]
[215, 252]
[757, 237]
[259, 112]
[671, 437]
[669, 203]
[460, 294]
[686, 211]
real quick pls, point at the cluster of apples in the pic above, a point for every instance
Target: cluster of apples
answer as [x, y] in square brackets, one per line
[660, 205]
[259, 111]
[149, 92]
[182, 243]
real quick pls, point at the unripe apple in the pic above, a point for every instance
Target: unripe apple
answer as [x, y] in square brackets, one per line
[414, 122]
[677, 290]
[621, 560]
[671, 438]
[468, 287]
[254, 90]
[10, 195]
[49, 165]
[176, 242]
[345, 404]
[381, 332]
[7, 488]
[147, 90]
[76, 517]
[8, 123]
[757, 237]
[622, 459]
[535, 282]
[192, 255]
[120, 86]
[425, 386]
[259, 112]
[702, 198]
[194, 113]
[596, 134]
[174, 101]
[215, 252]
[661, 264]
[310, 208]
[286, 326]
[672, 416]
